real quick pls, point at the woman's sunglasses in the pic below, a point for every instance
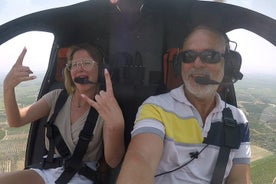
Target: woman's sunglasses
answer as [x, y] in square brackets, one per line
[206, 56]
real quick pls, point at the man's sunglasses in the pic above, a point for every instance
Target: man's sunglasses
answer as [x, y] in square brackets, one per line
[206, 56]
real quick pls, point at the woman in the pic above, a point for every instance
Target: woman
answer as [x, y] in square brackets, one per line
[83, 62]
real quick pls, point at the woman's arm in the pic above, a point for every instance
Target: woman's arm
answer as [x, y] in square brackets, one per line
[15, 116]
[113, 129]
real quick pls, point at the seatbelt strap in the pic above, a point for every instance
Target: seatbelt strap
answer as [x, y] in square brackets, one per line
[231, 140]
[74, 164]
[222, 160]
[52, 131]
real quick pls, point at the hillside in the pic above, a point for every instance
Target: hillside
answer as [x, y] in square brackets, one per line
[257, 98]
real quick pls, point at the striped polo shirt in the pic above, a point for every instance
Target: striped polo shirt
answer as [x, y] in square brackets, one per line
[178, 123]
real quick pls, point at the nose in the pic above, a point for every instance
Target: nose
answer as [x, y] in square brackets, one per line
[79, 66]
[198, 62]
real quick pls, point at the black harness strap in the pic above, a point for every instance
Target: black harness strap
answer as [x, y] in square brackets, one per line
[222, 160]
[53, 135]
[74, 164]
[88, 173]
[231, 140]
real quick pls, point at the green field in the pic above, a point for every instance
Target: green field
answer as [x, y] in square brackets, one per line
[263, 171]
[257, 97]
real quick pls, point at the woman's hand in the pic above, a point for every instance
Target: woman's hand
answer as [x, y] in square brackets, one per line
[18, 73]
[106, 104]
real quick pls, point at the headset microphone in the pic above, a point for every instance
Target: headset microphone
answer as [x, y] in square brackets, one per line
[83, 81]
[206, 81]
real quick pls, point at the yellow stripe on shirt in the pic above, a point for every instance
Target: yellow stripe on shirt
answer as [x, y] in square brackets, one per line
[181, 130]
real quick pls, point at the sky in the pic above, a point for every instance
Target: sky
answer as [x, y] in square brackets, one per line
[11, 9]
[38, 44]
[258, 55]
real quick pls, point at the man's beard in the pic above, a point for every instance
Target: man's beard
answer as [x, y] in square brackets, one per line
[201, 91]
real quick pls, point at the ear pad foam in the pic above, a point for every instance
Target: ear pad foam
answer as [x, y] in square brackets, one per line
[232, 66]
[177, 64]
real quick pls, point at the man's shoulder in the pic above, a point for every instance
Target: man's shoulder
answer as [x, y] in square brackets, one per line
[170, 95]
[238, 114]
[158, 98]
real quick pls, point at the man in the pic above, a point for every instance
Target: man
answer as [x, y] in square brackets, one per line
[176, 135]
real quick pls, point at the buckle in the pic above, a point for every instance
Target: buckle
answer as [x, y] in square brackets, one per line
[230, 122]
[52, 163]
[232, 133]
[85, 137]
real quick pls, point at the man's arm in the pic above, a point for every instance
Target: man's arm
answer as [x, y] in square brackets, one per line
[239, 174]
[141, 160]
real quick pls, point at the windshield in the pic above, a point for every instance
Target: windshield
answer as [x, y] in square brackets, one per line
[255, 93]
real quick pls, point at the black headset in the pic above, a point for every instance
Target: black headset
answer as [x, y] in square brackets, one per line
[102, 65]
[232, 63]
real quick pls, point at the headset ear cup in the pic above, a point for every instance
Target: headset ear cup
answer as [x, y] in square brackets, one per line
[100, 73]
[101, 78]
[232, 66]
[177, 64]
[101, 66]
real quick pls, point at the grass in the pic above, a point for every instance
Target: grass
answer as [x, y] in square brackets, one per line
[263, 171]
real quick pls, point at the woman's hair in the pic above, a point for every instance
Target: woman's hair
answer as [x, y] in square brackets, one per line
[92, 51]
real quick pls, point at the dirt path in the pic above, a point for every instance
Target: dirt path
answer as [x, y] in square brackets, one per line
[258, 153]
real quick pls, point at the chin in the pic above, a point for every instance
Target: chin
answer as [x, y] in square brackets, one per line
[201, 91]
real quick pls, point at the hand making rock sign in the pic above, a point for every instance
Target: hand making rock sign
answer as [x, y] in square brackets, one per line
[19, 73]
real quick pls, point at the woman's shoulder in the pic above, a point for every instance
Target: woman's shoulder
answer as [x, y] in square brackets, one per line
[52, 96]
[54, 92]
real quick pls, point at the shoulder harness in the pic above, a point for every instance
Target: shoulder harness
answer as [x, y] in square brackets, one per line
[231, 134]
[72, 163]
